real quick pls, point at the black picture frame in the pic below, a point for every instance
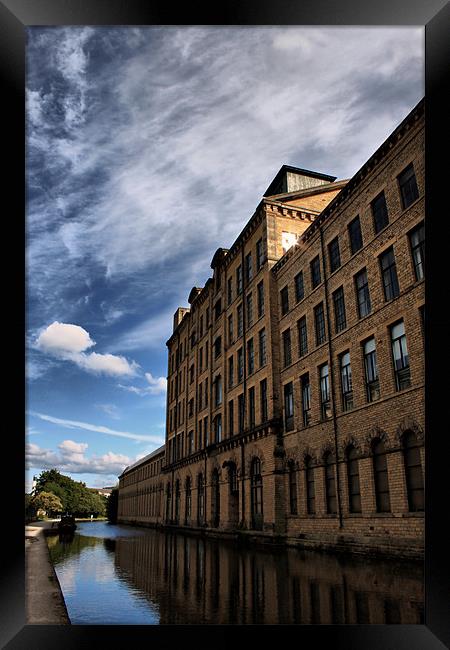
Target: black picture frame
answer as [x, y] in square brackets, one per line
[15, 17]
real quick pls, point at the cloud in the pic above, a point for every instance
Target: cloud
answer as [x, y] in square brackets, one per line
[161, 152]
[74, 424]
[62, 338]
[110, 409]
[68, 342]
[157, 386]
[72, 458]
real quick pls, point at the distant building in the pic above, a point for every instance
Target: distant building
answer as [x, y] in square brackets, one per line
[295, 404]
[106, 491]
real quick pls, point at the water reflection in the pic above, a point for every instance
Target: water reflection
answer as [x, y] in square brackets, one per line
[186, 579]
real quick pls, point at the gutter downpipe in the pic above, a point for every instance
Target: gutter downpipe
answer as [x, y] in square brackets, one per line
[333, 400]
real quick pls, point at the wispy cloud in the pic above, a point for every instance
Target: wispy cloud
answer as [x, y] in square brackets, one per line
[156, 386]
[74, 424]
[162, 151]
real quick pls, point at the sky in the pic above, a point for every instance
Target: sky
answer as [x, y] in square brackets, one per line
[147, 148]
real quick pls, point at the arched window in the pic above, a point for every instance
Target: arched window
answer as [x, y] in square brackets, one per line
[177, 500]
[215, 498]
[310, 491]
[413, 472]
[292, 488]
[256, 494]
[330, 483]
[200, 500]
[168, 502]
[380, 475]
[188, 505]
[354, 494]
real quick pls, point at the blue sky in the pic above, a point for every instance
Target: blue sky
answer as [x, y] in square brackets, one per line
[147, 149]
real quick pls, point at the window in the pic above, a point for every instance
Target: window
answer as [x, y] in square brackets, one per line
[284, 297]
[413, 472]
[306, 399]
[250, 357]
[200, 500]
[259, 254]
[200, 397]
[241, 412]
[217, 347]
[230, 290]
[239, 320]
[206, 392]
[299, 288]
[292, 489]
[218, 391]
[330, 484]
[263, 396]
[188, 506]
[334, 254]
[354, 494]
[256, 488]
[231, 417]
[324, 392]
[248, 267]
[200, 360]
[408, 186]
[287, 353]
[190, 442]
[230, 329]
[217, 309]
[379, 212]
[346, 382]
[417, 243]
[205, 431]
[206, 355]
[239, 280]
[251, 407]
[201, 326]
[289, 406]
[249, 309]
[207, 317]
[191, 374]
[389, 274]
[355, 235]
[310, 492]
[319, 321]
[191, 407]
[215, 499]
[200, 437]
[218, 428]
[230, 372]
[340, 321]
[302, 337]
[380, 475]
[315, 272]
[193, 340]
[400, 356]
[371, 371]
[240, 364]
[362, 294]
[260, 292]
[262, 348]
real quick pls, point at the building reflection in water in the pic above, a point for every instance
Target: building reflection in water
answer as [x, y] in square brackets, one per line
[196, 580]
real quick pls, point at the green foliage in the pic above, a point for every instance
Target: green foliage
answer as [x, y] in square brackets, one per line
[112, 506]
[76, 498]
[47, 501]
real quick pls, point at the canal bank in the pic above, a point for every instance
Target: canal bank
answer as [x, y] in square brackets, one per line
[44, 599]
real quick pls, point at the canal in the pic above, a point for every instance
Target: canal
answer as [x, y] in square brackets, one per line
[120, 575]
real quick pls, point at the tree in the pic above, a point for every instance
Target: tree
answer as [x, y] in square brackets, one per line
[47, 501]
[112, 506]
[75, 497]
